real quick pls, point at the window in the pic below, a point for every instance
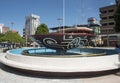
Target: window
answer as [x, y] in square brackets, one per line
[111, 10]
[111, 17]
[104, 18]
[112, 23]
[103, 31]
[113, 37]
[112, 31]
[104, 24]
[103, 12]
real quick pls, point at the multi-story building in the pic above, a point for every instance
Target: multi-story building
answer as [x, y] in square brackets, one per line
[108, 34]
[117, 1]
[4, 29]
[1, 26]
[31, 23]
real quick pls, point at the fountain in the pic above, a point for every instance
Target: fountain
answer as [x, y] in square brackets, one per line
[62, 56]
[61, 42]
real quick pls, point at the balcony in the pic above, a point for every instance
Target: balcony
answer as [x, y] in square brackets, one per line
[108, 22]
[103, 21]
[107, 14]
[103, 15]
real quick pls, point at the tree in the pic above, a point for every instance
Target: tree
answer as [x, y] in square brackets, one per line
[1, 35]
[117, 19]
[42, 29]
[11, 37]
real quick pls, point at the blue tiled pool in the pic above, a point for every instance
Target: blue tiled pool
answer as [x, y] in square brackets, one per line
[76, 50]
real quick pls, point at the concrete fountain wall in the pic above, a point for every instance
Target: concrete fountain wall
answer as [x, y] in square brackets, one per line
[54, 64]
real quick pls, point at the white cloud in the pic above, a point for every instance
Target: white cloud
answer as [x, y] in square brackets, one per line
[111, 3]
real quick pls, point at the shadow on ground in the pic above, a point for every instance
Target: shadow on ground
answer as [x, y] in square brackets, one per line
[55, 75]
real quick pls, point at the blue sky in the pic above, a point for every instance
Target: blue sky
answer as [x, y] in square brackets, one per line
[49, 11]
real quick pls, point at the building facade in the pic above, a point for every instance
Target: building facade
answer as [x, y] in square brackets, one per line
[93, 24]
[4, 29]
[1, 26]
[108, 34]
[117, 1]
[31, 23]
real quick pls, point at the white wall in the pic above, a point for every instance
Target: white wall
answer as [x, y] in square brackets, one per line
[1, 25]
[53, 64]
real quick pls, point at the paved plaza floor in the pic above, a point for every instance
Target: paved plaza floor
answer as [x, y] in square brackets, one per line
[10, 75]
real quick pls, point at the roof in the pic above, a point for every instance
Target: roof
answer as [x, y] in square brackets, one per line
[60, 27]
[78, 28]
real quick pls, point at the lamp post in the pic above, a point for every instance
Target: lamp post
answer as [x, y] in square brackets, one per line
[12, 43]
[63, 15]
[59, 21]
[26, 40]
[83, 12]
[107, 39]
[26, 36]
[12, 23]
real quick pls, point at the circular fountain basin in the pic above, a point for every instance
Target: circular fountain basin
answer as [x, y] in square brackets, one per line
[68, 64]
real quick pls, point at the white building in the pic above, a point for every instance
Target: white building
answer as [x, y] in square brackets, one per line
[31, 23]
[1, 26]
[4, 29]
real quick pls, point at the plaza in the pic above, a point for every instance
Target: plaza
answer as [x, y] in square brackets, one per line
[8, 75]
[70, 51]
[11, 75]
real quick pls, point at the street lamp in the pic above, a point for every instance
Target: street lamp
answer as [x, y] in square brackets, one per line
[12, 23]
[59, 21]
[26, 36]
[107, 38]
[63, 15]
